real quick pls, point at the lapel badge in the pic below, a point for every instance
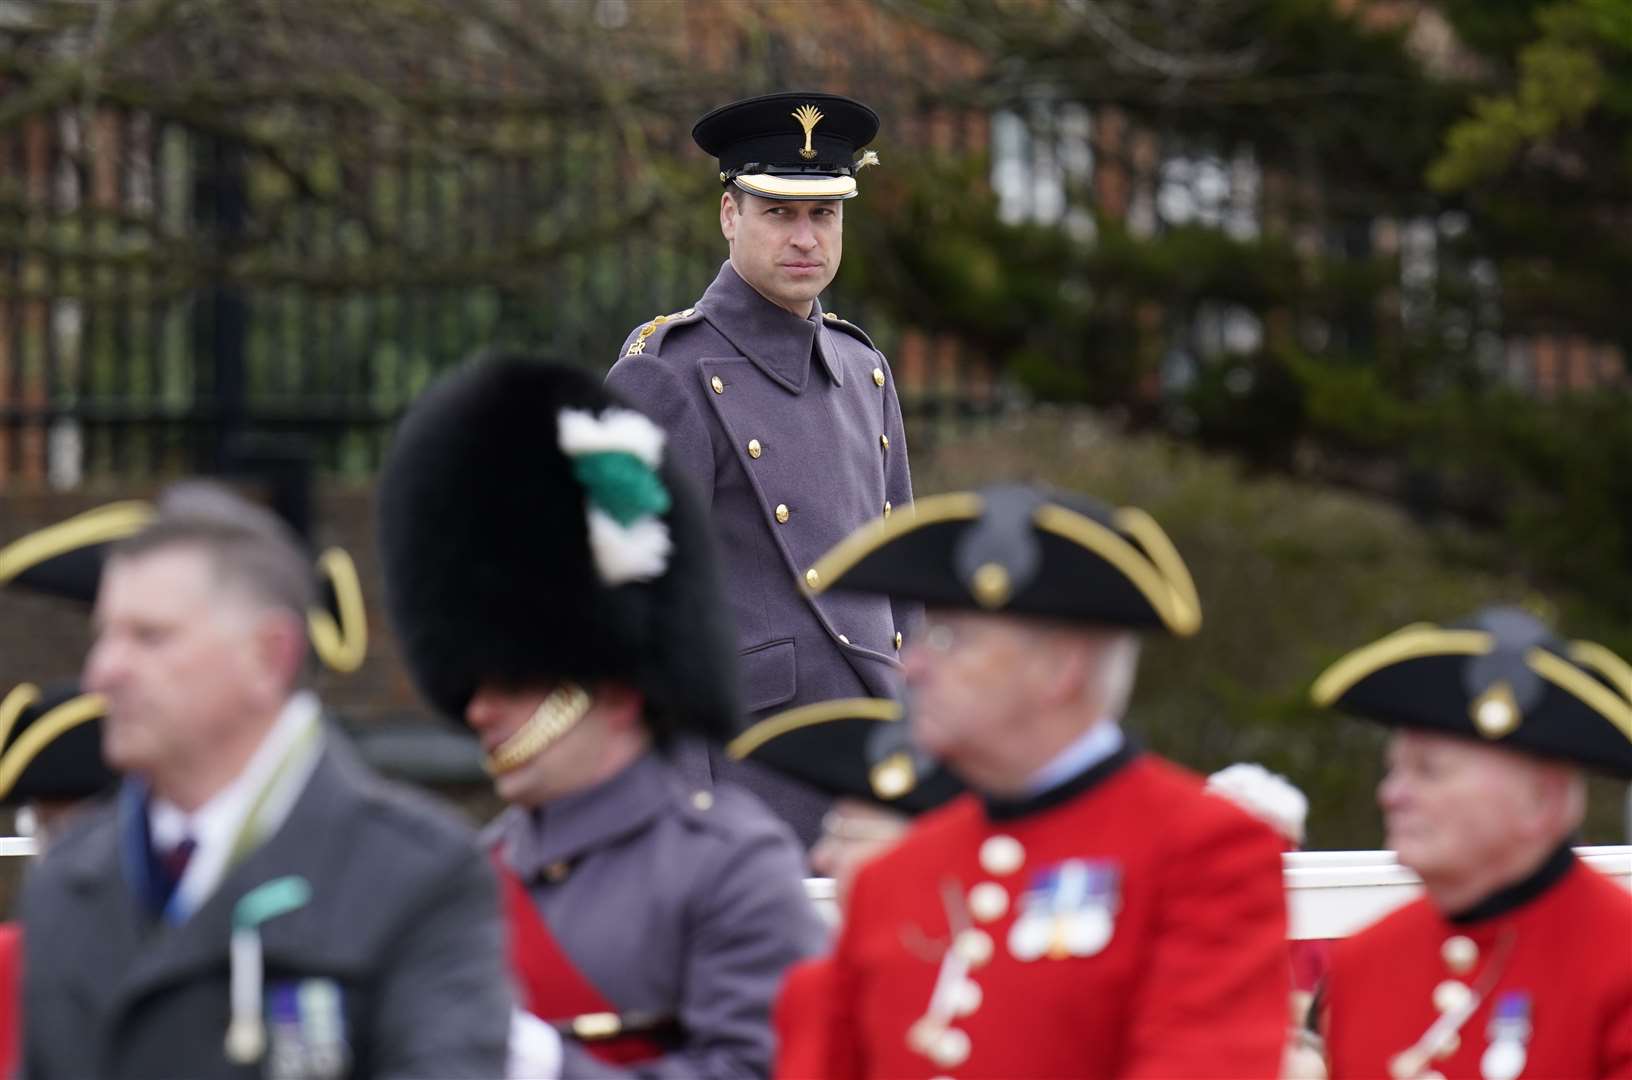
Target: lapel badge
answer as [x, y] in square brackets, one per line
[1509, 1033]
[1068, 910]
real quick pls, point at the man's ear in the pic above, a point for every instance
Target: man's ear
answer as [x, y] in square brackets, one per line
[280, 639]
[728, 216]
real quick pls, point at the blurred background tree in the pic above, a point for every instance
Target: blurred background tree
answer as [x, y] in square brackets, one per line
[1278, 249]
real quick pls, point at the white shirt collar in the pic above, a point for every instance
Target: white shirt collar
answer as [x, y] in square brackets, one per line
[215, 826]
[1089, 749]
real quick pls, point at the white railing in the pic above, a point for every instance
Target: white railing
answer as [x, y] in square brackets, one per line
[1331, 894]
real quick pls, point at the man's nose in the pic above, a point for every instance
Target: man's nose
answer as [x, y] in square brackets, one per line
[103, 665]
[804, 234]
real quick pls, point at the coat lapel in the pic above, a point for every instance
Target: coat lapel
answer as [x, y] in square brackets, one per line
[308, 842]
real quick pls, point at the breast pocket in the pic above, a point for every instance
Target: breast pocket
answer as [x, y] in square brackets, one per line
[769, 674]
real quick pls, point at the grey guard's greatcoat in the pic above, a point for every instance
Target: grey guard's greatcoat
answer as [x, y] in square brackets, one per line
[403, 915]
[671, 902]
[793, 429]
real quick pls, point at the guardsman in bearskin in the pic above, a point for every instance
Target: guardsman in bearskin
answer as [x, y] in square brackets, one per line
[1088, 910]
[1518, 960]
[552, 579]
[858, 751]
[784, 414]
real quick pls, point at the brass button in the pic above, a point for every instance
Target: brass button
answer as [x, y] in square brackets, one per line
[702, 800]
[988, 901]
[782, 514]
[754, 449]
[878, 376]
[844, 639]
[884, 441]
[898, 640]
[557, 872]
[718, 384]
[951, 1048]
[829, 315]
[1451, 996]
[975, 946]
[1460, 953]
[887, 508]
[1000, 855]
[811, 578]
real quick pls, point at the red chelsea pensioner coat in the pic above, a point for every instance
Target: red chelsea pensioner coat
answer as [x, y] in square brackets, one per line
[1154, 942]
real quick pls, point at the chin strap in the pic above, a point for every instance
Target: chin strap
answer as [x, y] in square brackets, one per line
[555, 716]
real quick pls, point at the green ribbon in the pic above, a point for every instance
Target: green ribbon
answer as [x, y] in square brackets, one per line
[277, 897]
[621, 485]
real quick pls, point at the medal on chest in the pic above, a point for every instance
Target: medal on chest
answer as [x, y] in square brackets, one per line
[1509, 1033]
[1069, 910]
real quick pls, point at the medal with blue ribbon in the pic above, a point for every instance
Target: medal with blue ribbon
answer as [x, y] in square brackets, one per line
[1068, 910]
[1509, 1032]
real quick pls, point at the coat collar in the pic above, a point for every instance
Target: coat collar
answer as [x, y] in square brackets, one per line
[999, 809]
[148, 954]
[778, 342]
[1512, 897]
[560, 831]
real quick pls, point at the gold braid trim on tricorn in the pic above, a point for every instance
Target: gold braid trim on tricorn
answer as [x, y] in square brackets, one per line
[555, 716]
[43, 732]
[114, 521]
[1592, 693]
[1408, 643]
[1174, 600]
[1591, 655]
[12, 705]
[341, 645]
[821, 712]
[931, 510]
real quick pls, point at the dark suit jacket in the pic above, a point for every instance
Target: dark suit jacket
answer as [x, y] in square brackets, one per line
[403, 916]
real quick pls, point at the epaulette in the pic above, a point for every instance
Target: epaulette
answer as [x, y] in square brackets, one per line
[642, 338]
[844, 324]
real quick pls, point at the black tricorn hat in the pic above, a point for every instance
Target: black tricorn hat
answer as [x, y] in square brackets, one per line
[790, 146]
[490, 569]
[1021, 551]
[51, 745]
[856, 747]
[65, 560]
[1501, 677]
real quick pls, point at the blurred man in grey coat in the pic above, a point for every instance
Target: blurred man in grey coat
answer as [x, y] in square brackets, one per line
[552, 579]
[255, 899]
[785, 414]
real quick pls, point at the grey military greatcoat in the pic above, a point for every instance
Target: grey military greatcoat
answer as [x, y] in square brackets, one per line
[674, 903]
[793, 427]
[402, 919]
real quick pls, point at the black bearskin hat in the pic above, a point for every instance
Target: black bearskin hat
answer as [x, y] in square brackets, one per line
[491, 571]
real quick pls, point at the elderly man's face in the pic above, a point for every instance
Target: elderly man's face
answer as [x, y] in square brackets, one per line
[973, 685]
[1451, 806]
[182, 661]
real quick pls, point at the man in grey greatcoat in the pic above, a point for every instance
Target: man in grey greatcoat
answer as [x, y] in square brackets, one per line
[552, 579]
[254, 898]
[785, 414]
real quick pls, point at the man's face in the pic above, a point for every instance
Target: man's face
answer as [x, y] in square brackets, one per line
[971, 690]
[1451, 806]
[788, 250]
[496, 713]
[179, 659]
